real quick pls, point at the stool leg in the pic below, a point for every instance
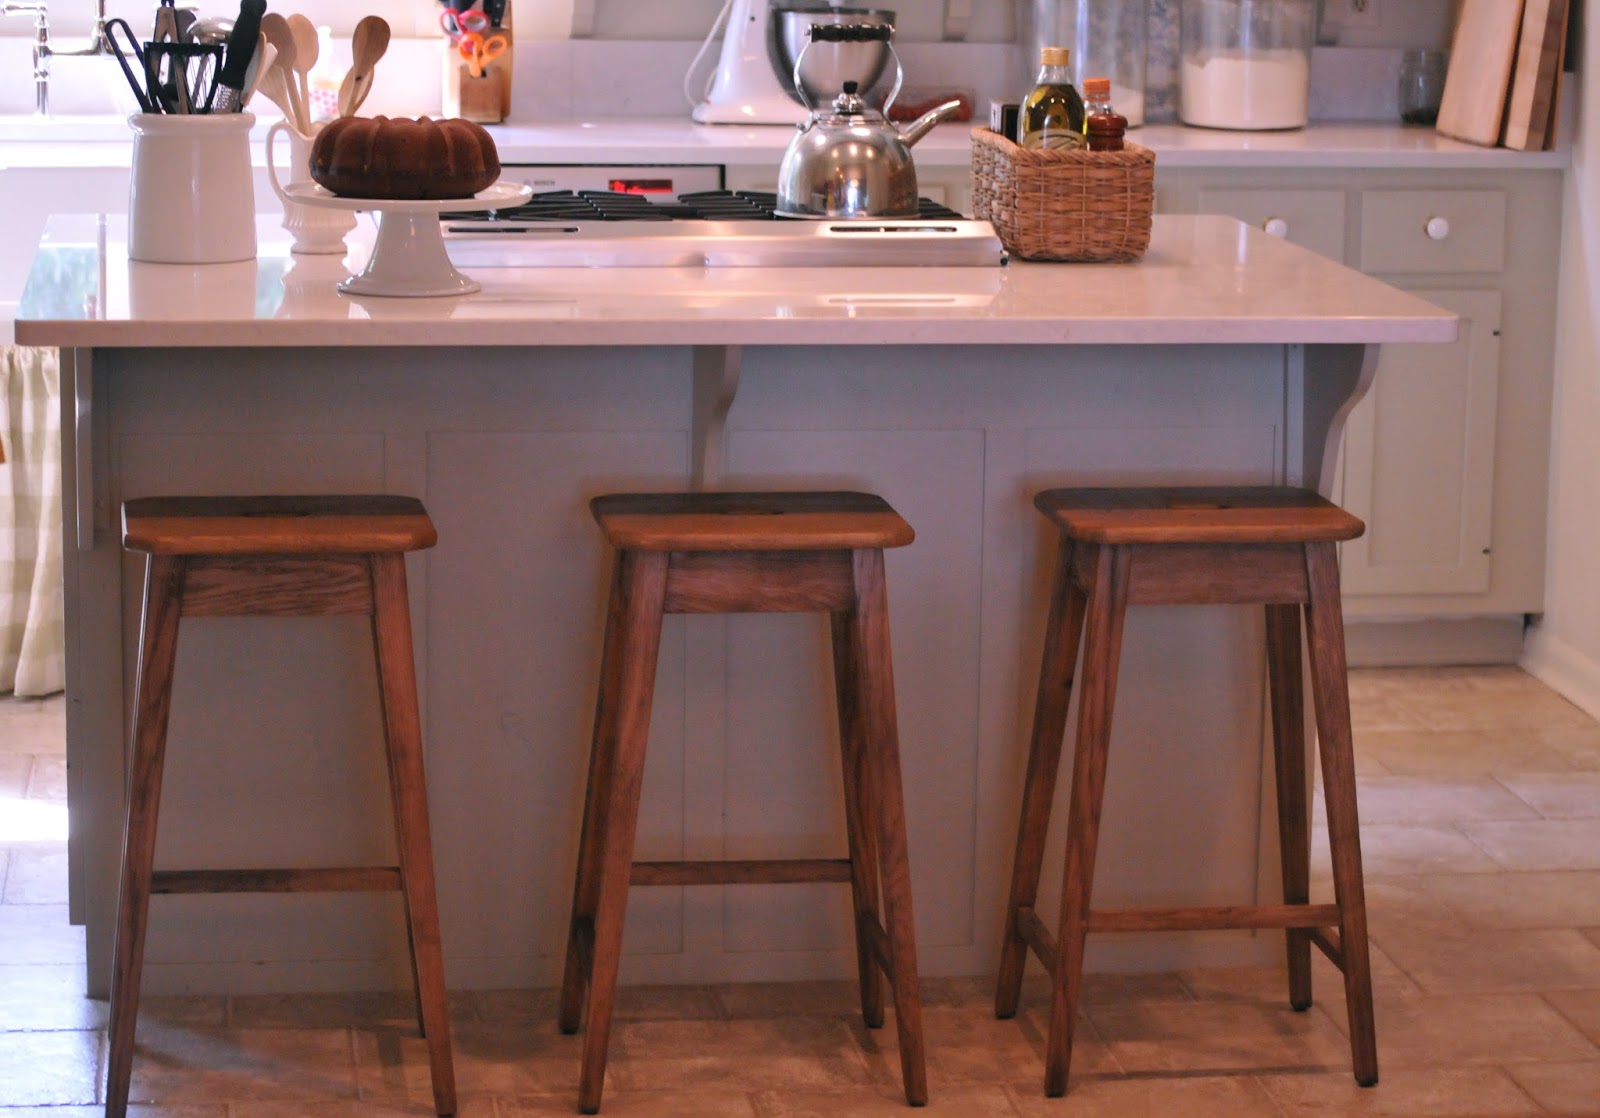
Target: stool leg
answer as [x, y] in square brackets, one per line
[1108, 600]
[1329, 686]
[1063, 629]
[158, 648]
[586, 889]
[859, 802]
[873, 656]
[391, 632]
[1289, 752]
[623, 733]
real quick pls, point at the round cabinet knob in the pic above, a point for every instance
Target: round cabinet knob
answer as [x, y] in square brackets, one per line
[1276, 227]
[1438, 228]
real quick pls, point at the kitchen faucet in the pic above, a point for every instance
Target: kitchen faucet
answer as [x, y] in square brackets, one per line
[44, 50]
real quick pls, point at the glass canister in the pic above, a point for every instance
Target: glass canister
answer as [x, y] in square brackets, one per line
[1246, 64]
[1107, 40]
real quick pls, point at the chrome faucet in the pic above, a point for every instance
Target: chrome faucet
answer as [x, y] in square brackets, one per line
[44, 50]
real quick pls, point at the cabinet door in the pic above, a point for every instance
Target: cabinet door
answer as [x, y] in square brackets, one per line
[1313, 219]
[1419, 460]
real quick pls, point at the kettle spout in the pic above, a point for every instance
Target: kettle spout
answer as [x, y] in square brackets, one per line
[923, 124]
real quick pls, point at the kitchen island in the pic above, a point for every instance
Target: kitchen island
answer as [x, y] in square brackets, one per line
[1225, 356]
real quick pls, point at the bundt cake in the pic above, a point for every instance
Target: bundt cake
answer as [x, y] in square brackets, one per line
[376, 157]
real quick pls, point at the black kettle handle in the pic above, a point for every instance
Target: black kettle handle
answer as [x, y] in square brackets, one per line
[851, 32]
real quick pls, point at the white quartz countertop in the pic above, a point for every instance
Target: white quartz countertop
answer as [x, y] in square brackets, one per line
[105, 141]
[1205, 280]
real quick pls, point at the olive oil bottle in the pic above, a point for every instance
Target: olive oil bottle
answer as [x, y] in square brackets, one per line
[1053, 115]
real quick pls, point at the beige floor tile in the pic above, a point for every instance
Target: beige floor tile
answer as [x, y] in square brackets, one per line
[1498, 960]
[1402, 1093]
[1566, 1090]
[180, 1064]
[955, 1101]
[969, 1045]
[49, 1068]
[48, 781]
[1582, 1008]
[184, 1011]
[1396, 849]
[39, 934]
[332, 1011]
[788, 999]
[751, 1054]
[33, 725]
[1219, 1037]
[1549, 844]
[499, 1059]
[1461, 1030]
[1417, 799]
[36, 874]
[634, 1003]
[1270, 985]
[638, 1104]
[215, 1110]
[1464, 753]
[46, 998]
[1565, 795]
[1190, 1096]
[1555, 899]
[466, 1108]
[14, 769]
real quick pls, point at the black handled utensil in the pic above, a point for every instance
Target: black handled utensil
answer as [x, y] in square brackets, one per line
[240, 49]
[495, 10]
[124, 43]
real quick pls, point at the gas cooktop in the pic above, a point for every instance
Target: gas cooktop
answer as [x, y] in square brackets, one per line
[713, 228]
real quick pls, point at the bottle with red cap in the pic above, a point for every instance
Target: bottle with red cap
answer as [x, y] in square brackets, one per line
[1104, 126]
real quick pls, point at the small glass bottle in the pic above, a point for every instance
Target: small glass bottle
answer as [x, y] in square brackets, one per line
[1104, 126]
[1052, 114]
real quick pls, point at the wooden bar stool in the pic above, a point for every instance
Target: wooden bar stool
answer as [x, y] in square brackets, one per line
[746, 553]
[278, 557]
[1272, 546]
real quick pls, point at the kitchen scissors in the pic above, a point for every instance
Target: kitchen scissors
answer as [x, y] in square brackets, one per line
[458, 25]
[480, 50]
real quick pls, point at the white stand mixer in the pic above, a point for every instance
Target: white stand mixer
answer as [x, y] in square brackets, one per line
[745, 90]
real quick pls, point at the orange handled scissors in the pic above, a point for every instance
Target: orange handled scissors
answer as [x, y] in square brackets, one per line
[480, 50]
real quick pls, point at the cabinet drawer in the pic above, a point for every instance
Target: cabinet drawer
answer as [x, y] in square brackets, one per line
[1433, 230]
[1313, 219]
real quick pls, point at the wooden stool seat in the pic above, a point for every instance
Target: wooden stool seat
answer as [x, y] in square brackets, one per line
[1194, 546]
[278, 557]
[747, 553]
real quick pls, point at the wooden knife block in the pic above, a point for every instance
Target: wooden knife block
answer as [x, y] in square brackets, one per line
[486, 99]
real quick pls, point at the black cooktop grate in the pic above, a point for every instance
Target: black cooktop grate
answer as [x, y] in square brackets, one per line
[705, 205]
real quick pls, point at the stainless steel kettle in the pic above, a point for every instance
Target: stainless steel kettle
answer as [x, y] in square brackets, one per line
[849, 161]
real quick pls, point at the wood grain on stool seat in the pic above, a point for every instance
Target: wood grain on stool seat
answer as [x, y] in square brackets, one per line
[1212, 514]
[297, 525]
[808, 521]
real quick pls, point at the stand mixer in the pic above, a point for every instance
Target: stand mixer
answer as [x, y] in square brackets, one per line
[745, 88]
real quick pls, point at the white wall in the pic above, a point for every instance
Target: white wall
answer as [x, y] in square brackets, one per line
[1564, 648]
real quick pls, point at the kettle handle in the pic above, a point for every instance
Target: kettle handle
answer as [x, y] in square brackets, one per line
[849, 32]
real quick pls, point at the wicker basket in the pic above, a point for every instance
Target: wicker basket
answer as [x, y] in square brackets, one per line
[1064, 204]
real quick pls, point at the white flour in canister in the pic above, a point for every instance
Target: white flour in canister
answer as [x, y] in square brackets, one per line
[1246, 89]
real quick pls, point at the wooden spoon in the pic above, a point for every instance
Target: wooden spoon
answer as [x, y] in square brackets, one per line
[306, 48]
[276, 29]
[368, 43]
[257, 74]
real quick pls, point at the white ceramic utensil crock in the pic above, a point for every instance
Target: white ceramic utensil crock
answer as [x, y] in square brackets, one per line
[191, 200]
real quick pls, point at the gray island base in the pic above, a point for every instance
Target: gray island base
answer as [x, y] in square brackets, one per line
[1225, 356]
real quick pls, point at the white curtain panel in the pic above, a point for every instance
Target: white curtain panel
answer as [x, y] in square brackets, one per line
[32, 658]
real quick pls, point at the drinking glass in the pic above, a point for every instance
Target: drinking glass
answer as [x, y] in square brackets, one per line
[1422, 74]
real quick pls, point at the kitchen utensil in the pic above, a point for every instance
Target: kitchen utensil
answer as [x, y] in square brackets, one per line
[849, 161]
[185, 19]
[182, 77]
[408, 257]
[190, 198]
[1537, 71]
[830, 65]
[243, 40]
[1481, 55]
[260, 64]
[480, 51]
[210, 29]
[744, 88]
[274, 83]
[124, 45]
[316, 230]
[496, 11]
[368, 43]
[306, 50]
[276, 28]
[456, 24]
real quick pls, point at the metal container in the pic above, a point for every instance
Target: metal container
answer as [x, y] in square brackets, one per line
[1246, 64]
[831, 64]
[1106, 38]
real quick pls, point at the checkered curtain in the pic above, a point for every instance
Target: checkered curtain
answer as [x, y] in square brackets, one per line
[32, 661]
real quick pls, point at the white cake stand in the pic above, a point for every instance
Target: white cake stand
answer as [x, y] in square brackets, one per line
[408, 258]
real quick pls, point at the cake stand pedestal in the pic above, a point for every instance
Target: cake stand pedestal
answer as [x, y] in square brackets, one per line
[408, 258]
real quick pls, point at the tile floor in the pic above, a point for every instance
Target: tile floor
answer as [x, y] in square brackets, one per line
[1481, 825]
